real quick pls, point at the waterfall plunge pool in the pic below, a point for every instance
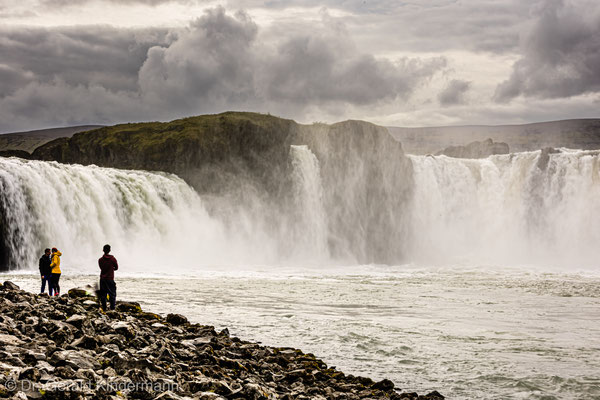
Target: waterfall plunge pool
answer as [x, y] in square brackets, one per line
[480, 332]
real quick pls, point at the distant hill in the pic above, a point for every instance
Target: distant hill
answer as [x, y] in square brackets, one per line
[29, 141]
[574, 133]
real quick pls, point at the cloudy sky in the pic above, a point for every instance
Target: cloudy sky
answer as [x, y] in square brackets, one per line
[402, 63]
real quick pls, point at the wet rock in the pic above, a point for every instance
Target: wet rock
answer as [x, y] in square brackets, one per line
[10, 340]
[85, 342]
[75, 359]
[30, 374]
[544, 157]
[76, 320]
[384, 385]
[129, 307]
[434, 396]
[19, 396]
[77, 293]
[176, 319]
[148, 316]
[208, 396]
[208, 385]
[124, 328]
[481, 149]
[8, 285]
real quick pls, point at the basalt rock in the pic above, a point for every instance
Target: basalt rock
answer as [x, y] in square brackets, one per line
[66, 348]
[481, 149]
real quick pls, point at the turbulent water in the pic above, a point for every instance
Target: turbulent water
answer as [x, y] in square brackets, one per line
[470, 333]
[161, 221]
[509, 209]
[525, 208]
[519, 321]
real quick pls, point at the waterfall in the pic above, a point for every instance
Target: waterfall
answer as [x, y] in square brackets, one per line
[335, 207]
[310, 224]
[532, 207]
[155, 222]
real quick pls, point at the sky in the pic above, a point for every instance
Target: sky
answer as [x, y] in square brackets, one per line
[395, 63]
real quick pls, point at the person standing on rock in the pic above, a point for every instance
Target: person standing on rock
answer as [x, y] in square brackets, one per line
[108, 265]
[55, 266]
[46, 271]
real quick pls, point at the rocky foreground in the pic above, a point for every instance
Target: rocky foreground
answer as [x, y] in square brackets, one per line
[66, 348]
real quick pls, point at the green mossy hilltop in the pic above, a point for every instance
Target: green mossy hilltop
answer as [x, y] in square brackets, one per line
[171, 146]
[233, 142]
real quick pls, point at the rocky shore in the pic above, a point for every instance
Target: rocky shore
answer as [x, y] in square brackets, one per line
[66, 348]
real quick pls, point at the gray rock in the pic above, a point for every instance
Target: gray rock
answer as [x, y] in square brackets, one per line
[76, 293]
[124, 328]
[208, 396]
[482, 149]
[76, 320]
[45, 366]
[8, 285]
[176, 319]
[30, 374]
[168, 395]
[75, 359]
[11, 340]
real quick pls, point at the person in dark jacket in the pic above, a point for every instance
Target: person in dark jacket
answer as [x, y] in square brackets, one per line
[108, 265]
[46, 271]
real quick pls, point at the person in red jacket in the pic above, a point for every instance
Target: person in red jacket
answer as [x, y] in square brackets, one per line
[108, 265]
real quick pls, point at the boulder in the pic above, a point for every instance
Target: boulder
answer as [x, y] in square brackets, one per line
[130, 307]
[176, 319]
[8, 285]
[10, 340]
[77, 293]
[482, 149]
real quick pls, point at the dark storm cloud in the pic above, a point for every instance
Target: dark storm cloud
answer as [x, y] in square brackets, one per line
[74, 3]
[12, 79]
[219, 62]
[211, 64]
[91, 55]
[314, 69]
[561, 55]
[426, 25]
[454, 93]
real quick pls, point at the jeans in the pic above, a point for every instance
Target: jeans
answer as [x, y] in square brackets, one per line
[108, 287]
[54, 278]
[46, 279]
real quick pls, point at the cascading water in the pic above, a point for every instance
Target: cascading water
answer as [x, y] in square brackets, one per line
[156, 220]
[308, 201]
[532, 207]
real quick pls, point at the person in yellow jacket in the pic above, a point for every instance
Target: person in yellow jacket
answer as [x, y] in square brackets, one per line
[55, 266]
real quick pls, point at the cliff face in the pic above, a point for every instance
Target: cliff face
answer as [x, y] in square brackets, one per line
[368, 181]
[231, 141]
[242, 165]
[476, 149]
[29, 141]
